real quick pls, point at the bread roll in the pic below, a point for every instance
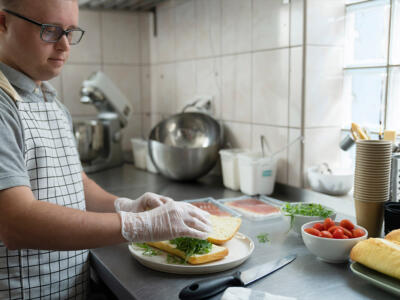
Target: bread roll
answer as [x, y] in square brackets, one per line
[381, 255]
[393, 236]
[216, 253]
[224, 229]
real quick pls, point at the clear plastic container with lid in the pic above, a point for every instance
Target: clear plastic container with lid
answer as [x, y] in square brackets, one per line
[230, 168]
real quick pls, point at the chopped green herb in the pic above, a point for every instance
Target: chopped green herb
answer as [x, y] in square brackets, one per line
[172, 259]
[263, 238]
[147, 250]
[192, 246]
[305, 209]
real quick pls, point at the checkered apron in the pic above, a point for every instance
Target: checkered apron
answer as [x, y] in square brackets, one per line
[55, 175]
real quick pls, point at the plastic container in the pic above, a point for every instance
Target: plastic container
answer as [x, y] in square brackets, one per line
[250, 215]
[230, 168]
[149, 164]
[223, 208]
[257, 173]
[139, 150]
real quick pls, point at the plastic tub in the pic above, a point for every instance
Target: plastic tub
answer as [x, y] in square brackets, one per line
[149, 164]
[230, 168]
[257, 173]
[139, 150]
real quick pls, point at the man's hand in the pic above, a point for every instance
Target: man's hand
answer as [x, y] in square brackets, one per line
[166, 222]
[145, 202]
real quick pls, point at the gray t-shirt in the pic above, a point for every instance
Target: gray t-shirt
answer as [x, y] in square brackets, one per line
[13, 170]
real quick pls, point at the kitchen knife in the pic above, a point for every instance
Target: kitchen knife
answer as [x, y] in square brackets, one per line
[209, 287]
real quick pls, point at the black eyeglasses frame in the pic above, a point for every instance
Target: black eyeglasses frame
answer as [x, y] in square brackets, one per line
[44, 26]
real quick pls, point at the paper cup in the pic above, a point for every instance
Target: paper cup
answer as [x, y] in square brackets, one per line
[369, 214]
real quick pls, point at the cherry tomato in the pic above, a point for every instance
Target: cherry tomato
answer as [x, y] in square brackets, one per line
[319, 226]
[328, 223]
[347, 224]
[358, 232]
[326, 234]
[313, 231]
[345, 231]
[338, 234]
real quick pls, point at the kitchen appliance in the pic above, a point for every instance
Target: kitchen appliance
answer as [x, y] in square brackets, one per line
[206, 288]
[99, 140]
[185, 146]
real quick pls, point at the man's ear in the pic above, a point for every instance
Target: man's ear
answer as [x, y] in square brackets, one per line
[3, 24]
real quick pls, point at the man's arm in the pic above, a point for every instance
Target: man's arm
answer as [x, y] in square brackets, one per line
[28, 223]
[97, 199]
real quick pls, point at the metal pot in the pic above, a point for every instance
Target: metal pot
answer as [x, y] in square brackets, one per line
[89, 139]
[185, 146]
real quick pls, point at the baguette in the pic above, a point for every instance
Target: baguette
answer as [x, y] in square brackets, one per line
[393, 236]
[216, 253]
[379, 254]
[223, 229]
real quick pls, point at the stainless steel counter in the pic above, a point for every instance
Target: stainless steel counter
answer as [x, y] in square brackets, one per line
[305, 278]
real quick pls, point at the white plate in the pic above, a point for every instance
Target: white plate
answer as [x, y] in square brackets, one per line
[240, 249]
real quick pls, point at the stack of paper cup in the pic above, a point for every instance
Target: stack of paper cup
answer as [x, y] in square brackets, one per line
[372, 183]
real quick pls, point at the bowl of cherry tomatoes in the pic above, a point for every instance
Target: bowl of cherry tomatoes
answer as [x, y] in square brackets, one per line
[332, 241]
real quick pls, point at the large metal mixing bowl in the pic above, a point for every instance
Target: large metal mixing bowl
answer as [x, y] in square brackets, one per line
[185, 146]
[89, 139]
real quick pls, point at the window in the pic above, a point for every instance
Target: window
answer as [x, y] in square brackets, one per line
[372, 64]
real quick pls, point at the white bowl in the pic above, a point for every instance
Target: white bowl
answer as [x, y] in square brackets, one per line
[300, 220]
[338, 183]
[330, 250]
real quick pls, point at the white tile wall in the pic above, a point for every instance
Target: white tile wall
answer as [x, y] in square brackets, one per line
[270, 21]
[236, 26]
[236, 88]
[248, 54]
[325, 22]
[238, 135]
[296, 84]
[208, 27]
[208, 81]
[185, 83]
[164, 42]
[127, 79]
[296, 22]
[89, 49]
[185, 30]
[271, 87]
[120, 37]
[324, 86]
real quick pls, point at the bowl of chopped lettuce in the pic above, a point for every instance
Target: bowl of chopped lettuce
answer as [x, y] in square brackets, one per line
[296, 214]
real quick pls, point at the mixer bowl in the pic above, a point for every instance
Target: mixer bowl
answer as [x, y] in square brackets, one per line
[185, 146]
[89, 139]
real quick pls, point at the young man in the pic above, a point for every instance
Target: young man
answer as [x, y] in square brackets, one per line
[50, 211]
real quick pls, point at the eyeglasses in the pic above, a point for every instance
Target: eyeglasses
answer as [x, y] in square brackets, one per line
[50, 33]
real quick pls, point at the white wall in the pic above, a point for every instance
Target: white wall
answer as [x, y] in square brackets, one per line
[269, 72]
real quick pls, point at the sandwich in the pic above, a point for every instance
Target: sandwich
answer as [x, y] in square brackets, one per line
[382, 255]
[195, 251]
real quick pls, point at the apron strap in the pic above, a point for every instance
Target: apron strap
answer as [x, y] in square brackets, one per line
[6, 86]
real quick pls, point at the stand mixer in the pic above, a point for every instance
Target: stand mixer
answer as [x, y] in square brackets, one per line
[99, 140]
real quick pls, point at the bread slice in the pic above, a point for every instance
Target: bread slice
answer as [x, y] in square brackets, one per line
[393, 236]
[216, 253]
[381, 255]
[223, 229]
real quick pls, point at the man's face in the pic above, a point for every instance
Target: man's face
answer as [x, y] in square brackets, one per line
[22, 47]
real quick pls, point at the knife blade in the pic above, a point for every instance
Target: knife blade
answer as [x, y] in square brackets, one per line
[209, 287]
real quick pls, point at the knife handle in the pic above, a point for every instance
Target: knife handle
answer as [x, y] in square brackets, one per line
[209, 287]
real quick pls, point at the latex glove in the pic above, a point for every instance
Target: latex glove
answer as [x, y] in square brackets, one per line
[145, 202]
[166, 222]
